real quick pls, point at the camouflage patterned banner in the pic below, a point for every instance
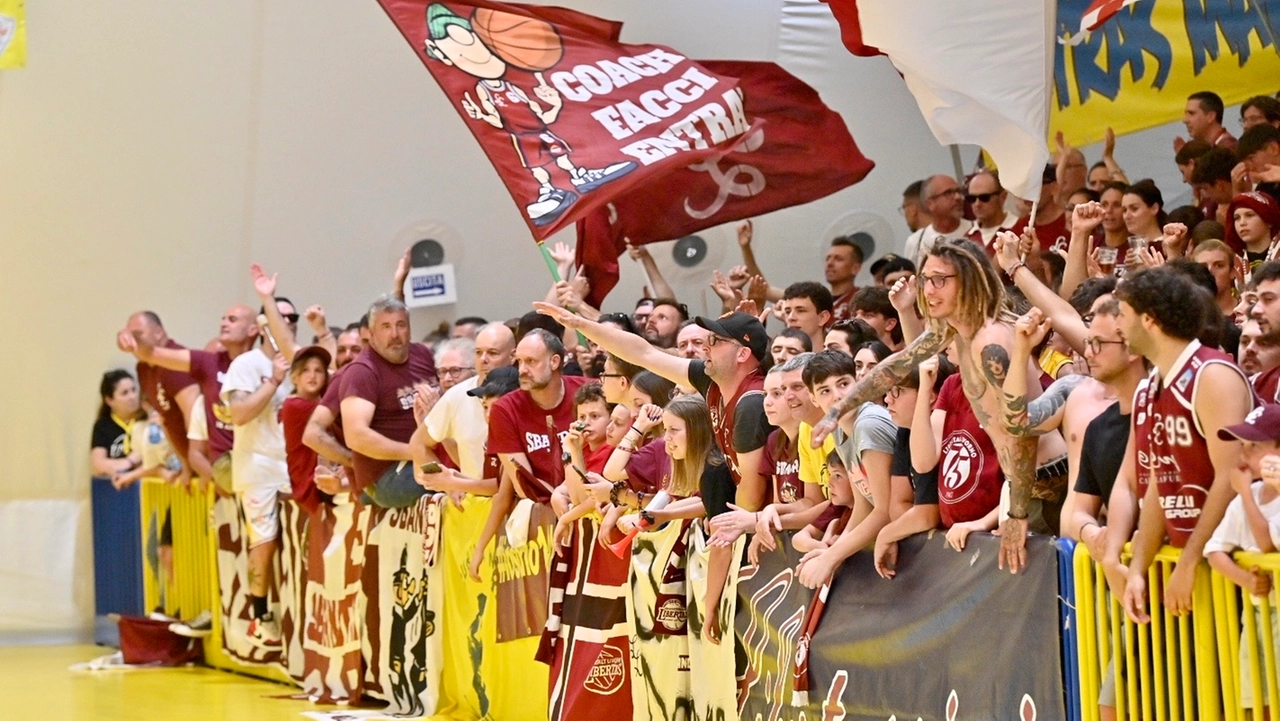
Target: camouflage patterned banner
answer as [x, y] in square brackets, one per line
[948, 638]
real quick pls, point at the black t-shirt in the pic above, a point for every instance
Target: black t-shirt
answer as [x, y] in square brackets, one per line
[110, 435]
[1102, 452]
[925, 485]
[750, 426]
[716, 488]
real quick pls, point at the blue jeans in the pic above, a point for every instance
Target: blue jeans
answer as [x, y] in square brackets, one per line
[397, 487]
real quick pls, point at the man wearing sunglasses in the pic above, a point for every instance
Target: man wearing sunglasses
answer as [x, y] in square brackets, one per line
[943, 198]
[987, 199]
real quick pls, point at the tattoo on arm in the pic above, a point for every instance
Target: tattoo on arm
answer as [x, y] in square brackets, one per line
[995, 364]
[1023, 418]
[892, 370]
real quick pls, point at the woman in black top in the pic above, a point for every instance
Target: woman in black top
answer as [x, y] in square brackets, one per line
[112, 455]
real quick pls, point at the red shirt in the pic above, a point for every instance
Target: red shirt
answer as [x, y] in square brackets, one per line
[294, 415]
[596, 459]
[208, 369]
[969, 476]
[843, 307]
[390, 388]
[1054, 234]
[1170, 442]
[1266, 385]
[783, 467]
[160, 386]
[519, 425]
[649, 468]
[724, 415]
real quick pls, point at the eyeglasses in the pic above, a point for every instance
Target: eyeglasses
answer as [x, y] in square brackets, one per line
[714, 340]
[455, 371]
[981, 197]
[897, 391]
[939, 280]
[291, 317]
[951, 191]
[1095, 344]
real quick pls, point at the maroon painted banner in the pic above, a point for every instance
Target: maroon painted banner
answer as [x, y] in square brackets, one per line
[797, 150]
[569, 117]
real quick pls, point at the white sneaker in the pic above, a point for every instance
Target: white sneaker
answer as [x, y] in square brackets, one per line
[264, 632]
[199, 627]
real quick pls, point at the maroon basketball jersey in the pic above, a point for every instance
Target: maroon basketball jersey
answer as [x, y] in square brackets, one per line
[513, 107]
[1171, 444]
[722, 416]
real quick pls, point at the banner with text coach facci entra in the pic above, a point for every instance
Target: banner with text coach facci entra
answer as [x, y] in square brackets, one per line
[568, 116]
[1137, 69]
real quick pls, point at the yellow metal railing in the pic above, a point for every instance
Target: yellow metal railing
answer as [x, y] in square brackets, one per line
[1187, 667]
[1247, 635]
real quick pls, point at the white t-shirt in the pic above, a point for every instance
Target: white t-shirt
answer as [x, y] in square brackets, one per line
[460, 418]
[198, 425]
[1233, 533]
[257, 455]
[923, 240]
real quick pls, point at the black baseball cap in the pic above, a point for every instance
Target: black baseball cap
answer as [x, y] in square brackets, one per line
[891, 263]
[744, 328]
[499, 382]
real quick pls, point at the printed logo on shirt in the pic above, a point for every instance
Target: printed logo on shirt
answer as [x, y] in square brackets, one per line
[607, 673]
[782, 468]
[162, 398]
[541, 441]
[1184, 506]
[962, 462]
[406, 396]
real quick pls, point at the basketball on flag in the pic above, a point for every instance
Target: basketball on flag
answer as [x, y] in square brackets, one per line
[525, 42]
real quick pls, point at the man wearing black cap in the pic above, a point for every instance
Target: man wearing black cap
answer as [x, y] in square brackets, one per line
[729, 378]
[484, 481]
[888, 268]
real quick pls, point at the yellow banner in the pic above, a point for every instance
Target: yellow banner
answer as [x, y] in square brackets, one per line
[1136, 71]
[13, 34]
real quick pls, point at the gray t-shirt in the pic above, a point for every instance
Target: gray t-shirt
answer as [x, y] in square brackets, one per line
[873, 430]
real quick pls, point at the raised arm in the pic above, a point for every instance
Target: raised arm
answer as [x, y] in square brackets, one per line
[884, 376]
[627, 346]
[903, 297]
[1020, 417]
[174, 359]
[1084, 219]
[265, 285]
[1065, 319]
[661, 288]
[746, 232]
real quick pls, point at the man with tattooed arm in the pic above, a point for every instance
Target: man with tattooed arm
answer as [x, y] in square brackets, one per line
[962, 298]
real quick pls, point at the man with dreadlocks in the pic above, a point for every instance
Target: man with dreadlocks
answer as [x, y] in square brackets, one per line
[963, 300]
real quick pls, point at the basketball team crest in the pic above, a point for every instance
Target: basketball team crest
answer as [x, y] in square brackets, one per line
[962, 462]
[607, 673]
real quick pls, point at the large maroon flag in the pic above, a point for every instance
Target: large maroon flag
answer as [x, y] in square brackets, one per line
[570, 118]
[797, 150]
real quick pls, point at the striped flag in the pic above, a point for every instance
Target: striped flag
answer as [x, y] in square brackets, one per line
[1097, 14]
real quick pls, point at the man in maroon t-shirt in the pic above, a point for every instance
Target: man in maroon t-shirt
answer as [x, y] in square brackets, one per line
[172, 393]
[1266, 281]
[1051, 216]
[237, 333]
[526, 427]
[378, 390]
[1182, 467]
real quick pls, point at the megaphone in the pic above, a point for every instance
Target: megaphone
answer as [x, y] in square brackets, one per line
[622, 548]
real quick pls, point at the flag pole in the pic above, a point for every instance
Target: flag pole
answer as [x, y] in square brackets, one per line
[555, 277]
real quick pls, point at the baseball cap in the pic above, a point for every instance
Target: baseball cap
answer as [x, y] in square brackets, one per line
[741, 327]
[892, 263]
[311, 351]
[499, 382]
[1262, 424]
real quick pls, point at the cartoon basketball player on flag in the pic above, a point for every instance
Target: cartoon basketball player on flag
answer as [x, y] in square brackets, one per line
[484, 46]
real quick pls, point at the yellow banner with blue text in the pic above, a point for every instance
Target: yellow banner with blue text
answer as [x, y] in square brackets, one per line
[13, 34]
[1137, 69]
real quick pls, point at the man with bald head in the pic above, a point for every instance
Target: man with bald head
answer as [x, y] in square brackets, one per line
[171, 393]
[457, 422]
[237, 333]
[943, 198]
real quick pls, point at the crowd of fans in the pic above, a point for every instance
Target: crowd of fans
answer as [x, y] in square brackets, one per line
[1097, 365]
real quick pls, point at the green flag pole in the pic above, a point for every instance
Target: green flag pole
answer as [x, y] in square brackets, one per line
[555, 276]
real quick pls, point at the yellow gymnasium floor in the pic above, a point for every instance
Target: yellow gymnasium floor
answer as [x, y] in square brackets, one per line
[36, 685]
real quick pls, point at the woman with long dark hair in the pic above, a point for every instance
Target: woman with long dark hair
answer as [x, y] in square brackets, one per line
[112, 455]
